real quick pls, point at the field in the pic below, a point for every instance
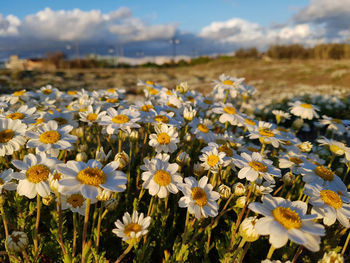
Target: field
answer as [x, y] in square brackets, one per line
[188, 164]
[270, 76]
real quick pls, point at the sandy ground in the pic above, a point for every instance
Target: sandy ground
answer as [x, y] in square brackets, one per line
[266, 76]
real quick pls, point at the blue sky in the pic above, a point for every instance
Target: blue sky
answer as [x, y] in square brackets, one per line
[32, 28]
[191, 15]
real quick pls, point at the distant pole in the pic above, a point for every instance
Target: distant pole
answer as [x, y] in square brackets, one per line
[174, 41]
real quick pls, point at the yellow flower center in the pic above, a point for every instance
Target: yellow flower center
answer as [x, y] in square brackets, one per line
[306, 106]
[258, 166]
[162, 178]
[228, 82]
[153, 91]
[190, 99]
[50, 137]
[266, 132]
[91, 176]
[47, 91]
[112, 100]
[76, 200]
[286, 142]
[120, 119]
[147, 107]
[230, 110]
[19, 93]
[37, 173]
[163, 138]
[325, 173]
[212, 160]
[337, 121]
[61, 121]
[110, 90]
[161, 118]
[331, 198]
[168, 92]
[249, 122]
[39, 121]
[203, 128]
[227, 150]
[296, 160]
[148, 82]
[132, 227]
[57, 176]
[287, 217]
[72, 92]
[15, 116]
[252, 149]
[6, 135]
[206, 101]
[199, 196]
[92, 117]
[336, 149]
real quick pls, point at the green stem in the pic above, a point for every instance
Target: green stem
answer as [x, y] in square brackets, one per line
[122, 256]
[86, 222]
[36, 230]
[4, 220]
[74, 234]
[346, 244]
[60, 223]
[271, 250]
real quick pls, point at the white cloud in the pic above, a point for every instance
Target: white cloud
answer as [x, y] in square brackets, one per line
[9, 25]
[332, 15]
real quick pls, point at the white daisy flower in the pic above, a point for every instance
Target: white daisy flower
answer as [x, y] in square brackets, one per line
[89, 179]
[132, 228]
[212, 159]
[280, 115]
[160, 176]
[333, 124]
[189, 113]
[338, 148]
[11, 136]
[199, 197]
[76, 202]
[122, 119]
[293, 161]
[61, 117]
[92, 115]
[51, 136]
[165, 138]
[34, 173]
[231, 84]
[303, 110]
[23, 113]
[254, 166]
[202, 129]
[323, 176]
[287, 220]
[5, 180]
[17, 241]
[266, 134]
[228, 113]
[329, 205]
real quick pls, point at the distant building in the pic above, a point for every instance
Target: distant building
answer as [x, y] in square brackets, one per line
[28, 64]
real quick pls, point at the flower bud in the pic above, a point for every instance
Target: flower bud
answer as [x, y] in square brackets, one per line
[101, 156]
[297, 124]
[17, 241]
[134, 135]
[47, 200]
[78, 131]
[238, 189]
[104, 195]
[288, 178]
[198, 169]
[240, 202]
[81, 157]
[224, 191]
[111, 204]
[247, 229]
[305, 146]
[332, 257]
[82, 148]
[183, 159]
[123, 159]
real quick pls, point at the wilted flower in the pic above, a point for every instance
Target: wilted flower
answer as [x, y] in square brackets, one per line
[123, 159]
[332, 257]
[17, 241]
